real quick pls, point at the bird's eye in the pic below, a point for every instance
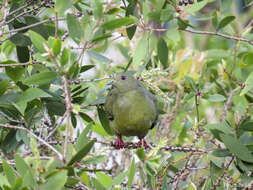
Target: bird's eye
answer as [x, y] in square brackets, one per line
[123, 77]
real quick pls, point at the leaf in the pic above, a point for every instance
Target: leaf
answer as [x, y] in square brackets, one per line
[75, 28]
[130, 32]
[221, 153]
[28, 95]
[117, 23]
[141, 50]
[102, 37]
[141, 154]
[183, 24]
[4, 84]
[55, 181]
[20, 39]
[64, 57]
[56, 47]
[236, 147]
[24, 171]
[225, 21]
[15, 73]
[86, 68]
[82, 139]
[42, 78]
[62, 5]
[163, 52]
[94, 160]
[9, 172]
[81, 153]
[85, 117]
[248, 84]
[216, 98]
[104, 120]
[104, 179]
[118, 179]
[98, 57]
[197, 6]
[248, 126]
[131, 173]
[37, 41]
[219, 128]
[23, 54]
[214, 19]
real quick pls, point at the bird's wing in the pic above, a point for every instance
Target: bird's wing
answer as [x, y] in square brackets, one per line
[110, 99]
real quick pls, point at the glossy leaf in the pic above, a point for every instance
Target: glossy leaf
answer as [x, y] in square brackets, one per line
[82, 139]
[216, 98]
[236, 147]
[104, 120]
[86, 68]
[23, 54]
[56, 47]
[75, 29]
[20, 39]
[41, 78]
[81, 153]
[38, 41]
[15, 73]
[117, 23]
[225, 21]
[163, 52]
[62, 5]
[248, 84]
[4, 84]
[9, 172]
[221, 153]
[131, 173]
[56, 181]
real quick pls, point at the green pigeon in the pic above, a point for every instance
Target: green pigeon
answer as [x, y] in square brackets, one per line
[131, 109]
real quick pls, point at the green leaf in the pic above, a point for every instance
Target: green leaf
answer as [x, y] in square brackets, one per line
[64, 57]
[23, 54]
[248, 126]
[86, 68]
[83, 139]
[140, 152]
[118, 179]
[4, 84]
[221, 153]
[85, 117]
[104, 120]
[225, 21]
[216, 98]
[9, 172]
[81, 153]
[104, 179]
[131, 173]
[15, 73]
[37, 40]
[42, 78]
[94, 160]
[183, 24]
[97, 184]
[248, 84]
[62, 5]
[163, 52]
[28, 95]
[117, 23]
[197, 6]
[130, 32]
[25, 171]
[102, 37]
[20, 39]
[75, 28]
[141, 50]
[214, 19]
[98, 57]
[236, 147]
[55, 181]
[56, 47]
[219, 128]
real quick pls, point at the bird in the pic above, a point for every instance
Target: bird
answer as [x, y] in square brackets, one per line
[131, 109]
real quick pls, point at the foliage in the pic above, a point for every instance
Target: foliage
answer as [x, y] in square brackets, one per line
[56, 58]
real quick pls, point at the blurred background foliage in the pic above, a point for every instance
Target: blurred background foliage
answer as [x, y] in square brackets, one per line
[57, 59]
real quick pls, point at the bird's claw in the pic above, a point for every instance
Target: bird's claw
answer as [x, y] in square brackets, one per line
[143, 143]
[119, 143]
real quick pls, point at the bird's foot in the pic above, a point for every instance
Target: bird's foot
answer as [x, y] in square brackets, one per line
[143, 143]
[119, 143]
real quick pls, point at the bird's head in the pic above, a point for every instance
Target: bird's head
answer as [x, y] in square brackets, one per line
[125, 82]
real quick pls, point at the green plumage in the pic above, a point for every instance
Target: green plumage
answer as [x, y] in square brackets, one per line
[132, 109]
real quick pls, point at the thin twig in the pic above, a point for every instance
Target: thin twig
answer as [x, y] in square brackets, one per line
[33, 25]
[18, 64]
[219, 34]
[35, 136]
